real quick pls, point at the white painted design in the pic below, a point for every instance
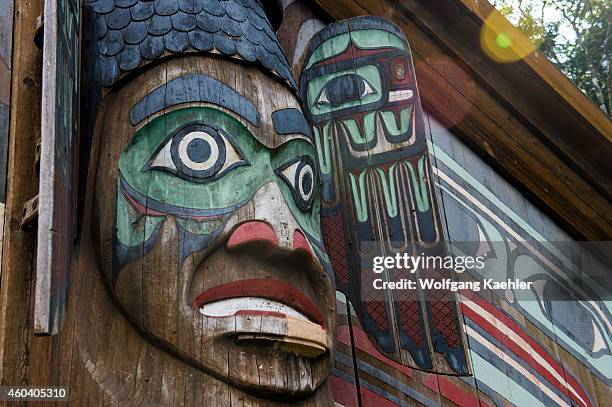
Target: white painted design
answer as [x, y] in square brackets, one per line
[518, 340]
[397, 95]
[323, 100]
[231, 306]
[307, 169]
[163, 159]
[307, 30]
[598, 340]
[515, 365]
[547, 262]
[194, 165]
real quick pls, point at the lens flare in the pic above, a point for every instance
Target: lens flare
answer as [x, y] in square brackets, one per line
[502, 41]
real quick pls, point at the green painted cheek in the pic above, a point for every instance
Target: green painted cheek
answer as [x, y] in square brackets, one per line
[204, 227]
[133, 229]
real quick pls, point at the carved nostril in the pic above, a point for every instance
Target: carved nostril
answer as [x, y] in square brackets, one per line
[300, 242]
[252, 231]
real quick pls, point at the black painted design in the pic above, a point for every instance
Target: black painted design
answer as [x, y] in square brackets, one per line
[193, 88]
[369, 167]
[131, 33]
[291, 121]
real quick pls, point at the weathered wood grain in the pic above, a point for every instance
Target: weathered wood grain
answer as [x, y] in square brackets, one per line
[18, 245]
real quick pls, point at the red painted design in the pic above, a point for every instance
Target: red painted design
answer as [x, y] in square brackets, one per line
[363, 343]
[300, 242]
[491, 328]
[343, 392]
[378, 312]
[353, 52]
[371, 399]
[335, 244]
[252, 231]
[443, 313]
[262, 288]
[410, 321]
[452, 391]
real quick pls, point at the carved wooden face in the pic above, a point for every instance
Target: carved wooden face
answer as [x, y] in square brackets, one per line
[206, 218]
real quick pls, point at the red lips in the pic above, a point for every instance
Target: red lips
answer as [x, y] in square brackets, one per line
[274, 290]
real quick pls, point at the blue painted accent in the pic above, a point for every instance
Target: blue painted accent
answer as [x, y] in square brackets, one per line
[388, 379]
[291, 121]
[193, 88]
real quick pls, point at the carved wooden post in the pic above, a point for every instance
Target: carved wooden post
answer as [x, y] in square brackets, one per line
[360, 94]
[201, 216]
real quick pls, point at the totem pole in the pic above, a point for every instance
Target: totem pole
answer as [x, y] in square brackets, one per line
[202, 216]
[360, 93]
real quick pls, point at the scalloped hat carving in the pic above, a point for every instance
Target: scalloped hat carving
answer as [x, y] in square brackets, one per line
[132, 33]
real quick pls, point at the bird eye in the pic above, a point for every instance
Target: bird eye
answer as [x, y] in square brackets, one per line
[198, 153]
[299, 174]
[343, 89]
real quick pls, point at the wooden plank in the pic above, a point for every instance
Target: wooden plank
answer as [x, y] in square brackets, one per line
[550, 75]
[15, 287]
[490, 122]
[57, 190]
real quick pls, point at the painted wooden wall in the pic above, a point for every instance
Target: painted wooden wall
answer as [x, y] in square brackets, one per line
[521, 354]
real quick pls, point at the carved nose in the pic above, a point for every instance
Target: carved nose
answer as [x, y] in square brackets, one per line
[252, 231]
[258, 231]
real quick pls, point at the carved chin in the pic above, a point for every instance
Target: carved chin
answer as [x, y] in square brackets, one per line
[271, 340]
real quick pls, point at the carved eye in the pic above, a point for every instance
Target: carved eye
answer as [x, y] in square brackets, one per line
[343, 89]
[198, 153]
[299, 174]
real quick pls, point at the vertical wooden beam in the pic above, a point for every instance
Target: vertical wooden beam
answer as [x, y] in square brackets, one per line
[18, 246]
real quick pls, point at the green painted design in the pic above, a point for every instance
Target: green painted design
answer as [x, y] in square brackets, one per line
[204, 227]
[419, 185]
[236, 187]
[329, 48]
[389, 189]
[166, 187]
[391, 124]
[324, 152]
[310, 222]
[359, 196]
[377, 39]
[369, 73]
[133, 229]
[361, 38]
[355, 132]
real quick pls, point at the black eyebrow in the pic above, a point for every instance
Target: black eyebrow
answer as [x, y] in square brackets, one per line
[291, 121]
[193, 88]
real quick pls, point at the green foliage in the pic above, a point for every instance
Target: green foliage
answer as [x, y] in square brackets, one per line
[575, 35]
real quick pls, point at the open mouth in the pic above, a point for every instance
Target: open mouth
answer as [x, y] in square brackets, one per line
[294, 322]
[250, 306]
[257, 297]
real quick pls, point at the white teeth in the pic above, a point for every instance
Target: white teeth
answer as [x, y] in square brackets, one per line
[398, 95]
[231, 306]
